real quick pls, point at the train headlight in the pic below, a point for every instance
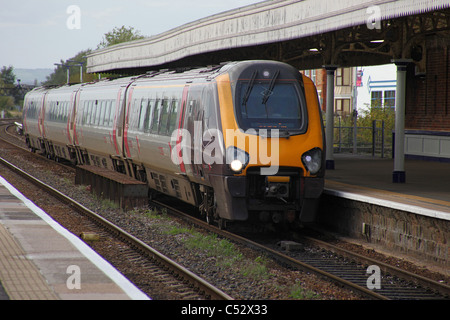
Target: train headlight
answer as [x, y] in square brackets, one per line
[236, 165]
[237, 159]
[312, 160]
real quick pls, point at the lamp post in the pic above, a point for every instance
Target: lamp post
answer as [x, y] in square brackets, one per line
[68, 69]
[78, 63]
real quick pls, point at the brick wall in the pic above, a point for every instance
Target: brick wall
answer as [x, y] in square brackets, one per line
[395, 231]
[428, 96]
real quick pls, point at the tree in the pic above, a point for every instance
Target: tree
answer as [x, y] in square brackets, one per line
[9, 93]
[119, 35]
[59, 76]
[7, 75]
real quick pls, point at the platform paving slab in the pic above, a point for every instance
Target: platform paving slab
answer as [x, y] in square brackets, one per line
[40, 260]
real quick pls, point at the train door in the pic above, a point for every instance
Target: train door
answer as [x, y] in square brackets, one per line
[71, 126]
[194, 117]
[181, 125]
[120, 129]
[41, 122]
[118, 122]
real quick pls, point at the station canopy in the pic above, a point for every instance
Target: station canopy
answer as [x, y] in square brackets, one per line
[307, 34]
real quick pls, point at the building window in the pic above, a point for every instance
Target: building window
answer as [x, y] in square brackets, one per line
[310, 74]
[343, 76]
[376, 99]
[389, 99]
[342, 106]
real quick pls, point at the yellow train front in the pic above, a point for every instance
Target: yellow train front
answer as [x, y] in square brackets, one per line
[272, 132]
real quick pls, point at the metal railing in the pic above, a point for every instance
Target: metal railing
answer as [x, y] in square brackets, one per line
[372, 140]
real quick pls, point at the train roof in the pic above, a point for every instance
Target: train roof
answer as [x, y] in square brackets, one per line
[179, 75]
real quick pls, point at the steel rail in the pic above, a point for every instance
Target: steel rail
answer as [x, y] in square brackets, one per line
[217, 294]
[403, 274]
[202, 285]
[284, 259]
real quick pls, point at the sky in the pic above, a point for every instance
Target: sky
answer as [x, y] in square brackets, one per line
[38, 33]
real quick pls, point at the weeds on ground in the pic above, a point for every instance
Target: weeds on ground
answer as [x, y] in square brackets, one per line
[299, 293]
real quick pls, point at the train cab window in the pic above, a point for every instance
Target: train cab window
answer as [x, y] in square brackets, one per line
[278, 107]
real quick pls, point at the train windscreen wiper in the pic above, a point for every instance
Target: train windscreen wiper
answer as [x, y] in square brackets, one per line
[268, 92]
[249, 88]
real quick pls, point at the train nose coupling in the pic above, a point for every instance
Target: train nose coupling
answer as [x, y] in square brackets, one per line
[277, 190]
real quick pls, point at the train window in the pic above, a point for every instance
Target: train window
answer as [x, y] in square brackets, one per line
[148, 114]
[87, 108]
[50, 111]
[92, 112]
[106, 119]
[164, 117]
[210, 114]
[277, 107]
[155, 116]
[174, 106]
[55, 111]
[101, 118]
[61, 111]
[83, 114]
[97, 110]
[109, 115]
[62, 108]
[142, 113]
[33, 110]
[102, 112]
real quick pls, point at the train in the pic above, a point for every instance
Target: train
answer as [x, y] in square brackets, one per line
[241, 141]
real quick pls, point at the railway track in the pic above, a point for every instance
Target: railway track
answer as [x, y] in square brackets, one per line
[231, 279]
[343, 267]
[173, 280]
[327, 262]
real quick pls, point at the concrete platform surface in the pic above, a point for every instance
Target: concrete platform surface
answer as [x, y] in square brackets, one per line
[426, 190]
[40, 260]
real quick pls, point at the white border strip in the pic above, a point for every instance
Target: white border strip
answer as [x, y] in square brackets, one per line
[389, 204]
[133, 292]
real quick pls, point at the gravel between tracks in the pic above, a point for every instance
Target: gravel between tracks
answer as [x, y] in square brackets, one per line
[276, 283]
[272, 281]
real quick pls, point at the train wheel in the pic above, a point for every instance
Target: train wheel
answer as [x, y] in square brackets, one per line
[222, 224]
[208, 206]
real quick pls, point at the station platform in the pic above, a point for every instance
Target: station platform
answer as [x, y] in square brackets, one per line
[409, 220]
[369, 179]
[40, 260]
